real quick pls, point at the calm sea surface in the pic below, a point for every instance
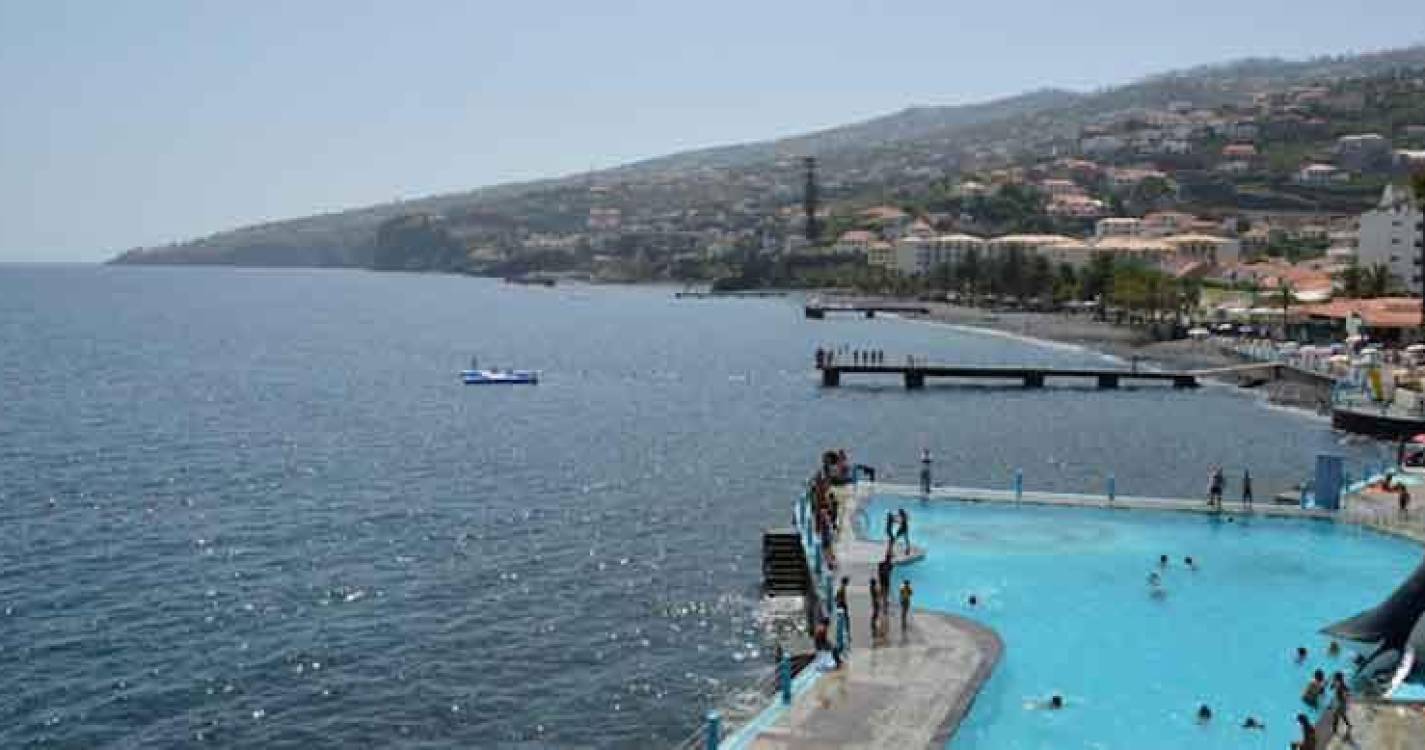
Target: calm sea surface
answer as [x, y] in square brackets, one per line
[257, 508]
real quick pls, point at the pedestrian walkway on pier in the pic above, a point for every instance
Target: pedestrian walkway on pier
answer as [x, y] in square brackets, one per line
[818, 311]
[909, 692]
[915, 372]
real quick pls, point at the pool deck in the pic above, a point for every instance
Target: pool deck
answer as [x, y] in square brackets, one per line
[1382, 726]
[1123, 502]
[909, 691]
[914, 690]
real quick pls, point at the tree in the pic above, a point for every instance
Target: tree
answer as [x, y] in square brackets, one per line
[1039, 278]
[1285, 293]
[1353, 282]
[1066, 287]
[1376, 281]
[1098, 277]
[967, 271]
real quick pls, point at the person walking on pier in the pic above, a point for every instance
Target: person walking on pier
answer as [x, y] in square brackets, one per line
[1247, 487]
[905, 605]
[904, 529]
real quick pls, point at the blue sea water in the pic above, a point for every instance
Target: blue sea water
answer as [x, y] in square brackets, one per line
[1067, 591]
[257, 507]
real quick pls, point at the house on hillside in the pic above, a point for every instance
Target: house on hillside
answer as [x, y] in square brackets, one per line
[1320, 174]
[1363, 152]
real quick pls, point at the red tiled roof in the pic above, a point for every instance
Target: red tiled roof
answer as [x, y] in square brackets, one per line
[1385, 312]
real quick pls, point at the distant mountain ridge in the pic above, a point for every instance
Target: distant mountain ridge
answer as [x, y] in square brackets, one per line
[872, 149]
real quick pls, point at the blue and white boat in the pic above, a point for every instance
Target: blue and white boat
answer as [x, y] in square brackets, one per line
[477, 375]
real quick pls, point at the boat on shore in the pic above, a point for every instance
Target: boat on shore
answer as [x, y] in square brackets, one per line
[476, 375]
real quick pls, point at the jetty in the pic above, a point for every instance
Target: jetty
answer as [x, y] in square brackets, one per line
[729, 294]
[819, 310]
[914, 374]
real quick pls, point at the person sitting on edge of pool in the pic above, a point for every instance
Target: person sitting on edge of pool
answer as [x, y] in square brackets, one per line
[1311, 696]
[1204, 714]
[1252, 723]
[1300, 654]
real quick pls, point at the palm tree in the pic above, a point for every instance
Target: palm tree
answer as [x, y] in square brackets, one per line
[1286, 291]
[1353, 281]
[1376, 281]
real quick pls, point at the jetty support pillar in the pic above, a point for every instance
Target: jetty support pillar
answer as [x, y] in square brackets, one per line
[815, 313]
[914, 379]
[830, 377]
[1184, 381]
[1033, 379]
[870, 312]
[1108, 381]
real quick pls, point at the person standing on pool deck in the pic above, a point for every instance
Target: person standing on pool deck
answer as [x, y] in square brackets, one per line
[1308, 733]
[925, 471]
[883, 572]
[875, 609]
[904, 531]
[1343, 699]
[890, 529]
[905, 604]
[841, 595]
[1404, 500]
[1247, 487]
[1214, 488]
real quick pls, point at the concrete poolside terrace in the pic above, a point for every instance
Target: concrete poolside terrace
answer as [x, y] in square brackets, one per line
[916, 691]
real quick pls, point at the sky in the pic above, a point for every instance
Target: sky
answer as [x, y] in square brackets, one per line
[143, 123]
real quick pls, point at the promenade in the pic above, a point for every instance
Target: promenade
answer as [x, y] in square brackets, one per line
[906, 692]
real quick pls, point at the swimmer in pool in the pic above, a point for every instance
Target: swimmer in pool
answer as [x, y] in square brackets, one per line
[1252, 723]
[1204, 714]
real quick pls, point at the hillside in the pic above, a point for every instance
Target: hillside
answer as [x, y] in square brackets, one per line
[685, 201]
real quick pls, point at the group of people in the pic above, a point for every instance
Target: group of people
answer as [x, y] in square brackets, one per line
[1316, 691]
[897, 527]
[1217, 484]
[880, 591]
[1402, 494]
[827, 356]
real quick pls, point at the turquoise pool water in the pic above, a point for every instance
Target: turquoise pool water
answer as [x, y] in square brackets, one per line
[1067, 591]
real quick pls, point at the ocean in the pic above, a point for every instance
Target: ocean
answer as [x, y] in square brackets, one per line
[254, 508]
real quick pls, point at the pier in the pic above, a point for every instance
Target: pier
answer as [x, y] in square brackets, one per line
[818, 311]
[915, 374]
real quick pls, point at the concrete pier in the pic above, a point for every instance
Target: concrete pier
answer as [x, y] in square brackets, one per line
[819, 311]
[907, 691]
[914, 375]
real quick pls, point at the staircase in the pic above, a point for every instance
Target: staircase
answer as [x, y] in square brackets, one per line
[784, 563]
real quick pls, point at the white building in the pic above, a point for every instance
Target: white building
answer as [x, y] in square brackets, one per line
[1389, 235]
[916, 256]
[1205, 248]
[1118, 226]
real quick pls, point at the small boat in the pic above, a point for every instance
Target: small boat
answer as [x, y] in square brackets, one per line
[477, 375]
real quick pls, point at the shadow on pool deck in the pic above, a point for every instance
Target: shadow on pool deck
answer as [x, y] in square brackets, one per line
[910, 691]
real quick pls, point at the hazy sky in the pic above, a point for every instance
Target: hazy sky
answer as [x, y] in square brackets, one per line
[136, 123]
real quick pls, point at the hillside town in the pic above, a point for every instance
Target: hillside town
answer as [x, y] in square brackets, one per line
[1230, 191]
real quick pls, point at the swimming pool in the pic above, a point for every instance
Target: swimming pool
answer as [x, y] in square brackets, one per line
[1066, 589]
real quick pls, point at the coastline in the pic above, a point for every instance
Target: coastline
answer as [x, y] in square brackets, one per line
[1109, 339]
